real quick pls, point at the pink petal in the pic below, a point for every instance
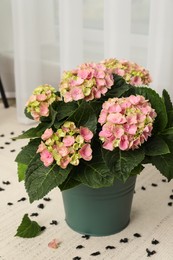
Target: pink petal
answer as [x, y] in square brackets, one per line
[86, 133]
[77, 93]
[86, 152]
[68, 140]
[41, 97]
[64, 162]
[44, 111]
[47, 134]
[102, 117]
[108, 145]
[46, 157]
[54, 244]
[41, 147]
[124, 143]
[63, 151]
[116, 118]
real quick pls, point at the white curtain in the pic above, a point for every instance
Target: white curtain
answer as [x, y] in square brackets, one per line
[160, 45]
[76, 30]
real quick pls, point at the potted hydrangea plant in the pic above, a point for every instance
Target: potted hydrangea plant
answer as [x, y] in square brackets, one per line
[93, 137]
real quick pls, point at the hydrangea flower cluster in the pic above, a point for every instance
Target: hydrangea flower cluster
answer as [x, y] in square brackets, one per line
[88, 81]
[67, 145]
[40, 100]
[126, 122]
[132, 73]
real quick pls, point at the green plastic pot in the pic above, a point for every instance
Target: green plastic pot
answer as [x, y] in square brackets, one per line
[99, 212]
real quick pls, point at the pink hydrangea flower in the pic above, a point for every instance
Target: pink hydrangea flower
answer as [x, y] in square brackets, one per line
[132, 73]
[38, 104]
[65, 146]
[88, 81]
[126, 122]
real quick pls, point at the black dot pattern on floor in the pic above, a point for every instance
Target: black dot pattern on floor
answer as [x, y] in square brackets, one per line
[96, 253]
[150, 253]
[47, 199]
[43, 228]
[124, 240]
[109, 247]
[79, 247]
[76, 258]
[6, 182]
[9, 203]
[154, 184]
[22, 199]
[54, 222]
[41, 206]
[86, 236]
[171, 197]
[137, 235]
[154, 242]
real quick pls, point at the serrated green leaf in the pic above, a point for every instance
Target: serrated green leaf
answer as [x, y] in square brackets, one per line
[34, 131]
[84, 115]
[94, 174]
[64, 110]
[137, 170]
[169, 107]
[28, 152]
[156, 146]
[167, 100]
[121, 163]
[39, 180]
[28, 228]
[21, 170]
[164, 163]
[156, 103]
[68, 184]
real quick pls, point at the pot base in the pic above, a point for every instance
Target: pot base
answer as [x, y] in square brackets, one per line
[99, 212]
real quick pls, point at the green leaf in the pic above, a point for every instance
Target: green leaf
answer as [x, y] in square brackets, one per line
[121, 163]
[28, 152]
[28, 114]
[28, 228]
[94, 173]
[40, 180]
[156, 103]
[167, 100]
[21, 170]
[119, 88]
[164, 163]
[68, 183]
[137, 170]
[168, 131]
[34, 131]
[64, 110]
[156, 146]
[84, 115]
